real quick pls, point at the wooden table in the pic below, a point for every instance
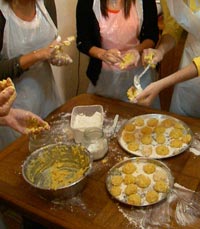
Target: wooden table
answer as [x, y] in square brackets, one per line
[93, 208]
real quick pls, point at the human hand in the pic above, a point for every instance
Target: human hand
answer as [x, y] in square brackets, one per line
[46, 52]
[61, 59]
[7, 96]
[25, 122]
[59, 55]
[132, 92]
[147, 96]
[111, 56]
[129, 58]
[152, 57]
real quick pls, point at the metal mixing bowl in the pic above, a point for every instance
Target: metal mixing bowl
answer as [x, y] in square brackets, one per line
[58, 171]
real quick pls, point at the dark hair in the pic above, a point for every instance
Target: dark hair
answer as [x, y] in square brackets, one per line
[127, 7]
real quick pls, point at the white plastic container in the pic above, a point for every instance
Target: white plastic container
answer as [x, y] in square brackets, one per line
[84, 117]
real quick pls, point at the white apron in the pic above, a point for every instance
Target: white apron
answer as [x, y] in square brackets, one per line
[114, 83]
[186, 95]
[36, 90]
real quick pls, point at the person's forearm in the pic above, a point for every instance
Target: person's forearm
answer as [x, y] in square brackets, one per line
[183, 74]
[97, 52]
[145, 45]
[2, 121]
[166, 43]
[30, 59]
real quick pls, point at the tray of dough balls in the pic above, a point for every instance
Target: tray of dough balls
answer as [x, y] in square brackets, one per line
[139, 181]
[155, 136]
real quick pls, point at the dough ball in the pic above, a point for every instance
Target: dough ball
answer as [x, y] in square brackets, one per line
[176, 143]
[176, 133]
[143, 181]
[133, 146]
[129, 127]
[146, 130]
[152, 196]
[152, 122]
[129, 179]
[160, 175]
[128, 168]
[186, 138]
[128, 137]
[116, 180]
[162, 150]
[134, 199]
[149, 168]
[159, 129]
[160, 138]
[168, 123]
[161, 186]
[146, 139]
[130, 189]
[147, 150]
[115, 190]
[139, 121]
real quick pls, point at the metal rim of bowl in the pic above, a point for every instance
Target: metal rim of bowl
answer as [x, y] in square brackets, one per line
[38, 151]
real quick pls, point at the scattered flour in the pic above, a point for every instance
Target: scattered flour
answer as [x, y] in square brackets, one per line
[180, 206]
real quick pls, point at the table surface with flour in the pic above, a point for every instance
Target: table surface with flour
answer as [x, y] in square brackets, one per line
[94, 207]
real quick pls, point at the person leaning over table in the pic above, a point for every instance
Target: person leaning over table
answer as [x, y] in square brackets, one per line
[110, 30]
[7, 96]
[17, 119]
[179, 15]
[27, 37]
[24, 122]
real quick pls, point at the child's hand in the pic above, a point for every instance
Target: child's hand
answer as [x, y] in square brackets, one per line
[25, 122]
[130, 58]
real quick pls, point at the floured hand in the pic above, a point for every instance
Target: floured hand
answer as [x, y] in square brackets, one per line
[130, 58]
[152, 57]
[24, 122]
[59, 55]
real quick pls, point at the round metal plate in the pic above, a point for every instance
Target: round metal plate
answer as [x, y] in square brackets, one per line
[139, 162]
[173, 151]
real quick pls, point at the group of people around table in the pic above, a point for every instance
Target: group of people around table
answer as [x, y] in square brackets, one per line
[103, 33]
[119, 36]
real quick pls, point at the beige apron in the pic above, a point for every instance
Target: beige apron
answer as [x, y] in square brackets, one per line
[186, 96]
[36, 90]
